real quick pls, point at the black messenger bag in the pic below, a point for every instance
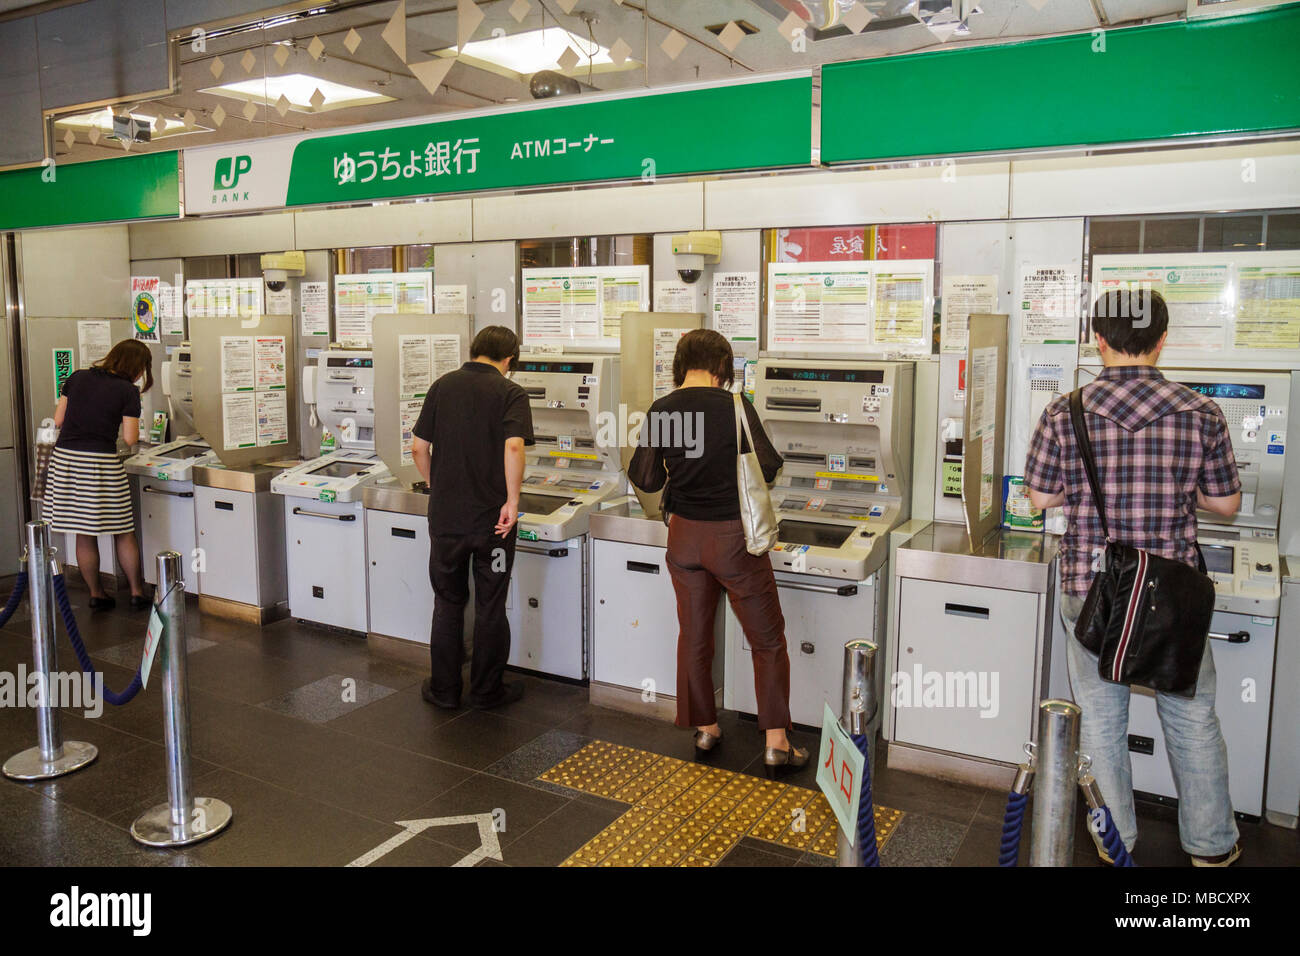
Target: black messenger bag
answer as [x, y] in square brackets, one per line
[1147, 618]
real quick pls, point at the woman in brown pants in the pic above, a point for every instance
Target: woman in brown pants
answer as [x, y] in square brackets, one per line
[689, 441]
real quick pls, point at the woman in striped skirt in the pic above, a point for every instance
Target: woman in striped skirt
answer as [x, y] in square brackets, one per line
[86, 489]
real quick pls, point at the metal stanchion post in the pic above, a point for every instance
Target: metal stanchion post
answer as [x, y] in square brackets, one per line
[52, 756]
[184, 818]
[1051, 841]
[857, 710]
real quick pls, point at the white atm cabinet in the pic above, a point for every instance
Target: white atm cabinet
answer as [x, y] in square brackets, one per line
[401, 597]
[634, 619]
[1243, 647]
[167, 524]
[959, 629]
[821, 616]
[325, 552]
[962, 616]
[546, 607]
[240, 528]
[1282, 803]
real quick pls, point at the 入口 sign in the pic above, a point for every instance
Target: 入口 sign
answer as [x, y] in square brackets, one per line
[839, 773]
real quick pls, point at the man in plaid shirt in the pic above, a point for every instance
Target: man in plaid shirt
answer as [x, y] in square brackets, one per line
[1162, 452]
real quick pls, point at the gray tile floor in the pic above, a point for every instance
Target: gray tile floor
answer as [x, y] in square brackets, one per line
[322, 744]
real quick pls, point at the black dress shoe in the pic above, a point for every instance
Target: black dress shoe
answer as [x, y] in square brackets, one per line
[102, 604]
[140, 602]
[426, 691]
[509, 694]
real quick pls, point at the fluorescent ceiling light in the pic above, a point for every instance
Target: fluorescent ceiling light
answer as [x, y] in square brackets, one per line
[103, 120]
[298, 89]
[522, 54]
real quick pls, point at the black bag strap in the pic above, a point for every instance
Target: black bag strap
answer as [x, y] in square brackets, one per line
[1085, 451]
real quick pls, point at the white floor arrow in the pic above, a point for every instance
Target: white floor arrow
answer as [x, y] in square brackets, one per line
[489, 844]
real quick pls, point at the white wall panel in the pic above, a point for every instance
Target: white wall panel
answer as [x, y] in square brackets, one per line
[1252, 176]
[217, 236]
[968, 191]
[655, 207]
[447, 220]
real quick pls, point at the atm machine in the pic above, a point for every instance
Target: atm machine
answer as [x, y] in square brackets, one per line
[844, 430]
[568, 472]
[1241, 554]
[325, 544]
[163, 476]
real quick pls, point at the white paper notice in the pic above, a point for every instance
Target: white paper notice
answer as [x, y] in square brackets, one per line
[94, 339]
[171, 308]
[900, 313]
[1199, 296]
[672, 295]
[581, 306]
[279, 303]
[272, 418]
[409, 412]
[450, 298]
[239, 420]
[237, 364]
[314, 300]
[986, 476]
[271, 368]
[1049, 305]
[446, 355]
[414, 365]
[962, 297]
[812, 307]
[735, 305]
[665, 348]
[981, 389]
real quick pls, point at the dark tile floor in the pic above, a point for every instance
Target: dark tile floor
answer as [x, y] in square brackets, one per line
[322, 745]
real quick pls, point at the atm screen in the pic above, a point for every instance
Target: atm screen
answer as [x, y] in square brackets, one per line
[1226, 390]
[339, 361]
[539, 504]
[1218, 558]
[808, 532]
[562, 368]
[186, 451]
[340, 469]
[780, 373]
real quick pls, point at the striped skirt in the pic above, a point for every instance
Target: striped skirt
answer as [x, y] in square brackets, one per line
[87, 492]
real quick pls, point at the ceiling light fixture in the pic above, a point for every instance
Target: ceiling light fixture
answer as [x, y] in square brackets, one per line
[102, 120]
[298, 89]
[522, 54]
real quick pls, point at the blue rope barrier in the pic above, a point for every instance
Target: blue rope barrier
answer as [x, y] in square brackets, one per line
[74, 635]
[1012, 823]
[1112, 841]
[15, 599]
[868, 852]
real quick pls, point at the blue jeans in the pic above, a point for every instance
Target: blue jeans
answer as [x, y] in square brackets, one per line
[1197, 753]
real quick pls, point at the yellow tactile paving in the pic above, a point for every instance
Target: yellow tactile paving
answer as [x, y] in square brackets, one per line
[688, 814]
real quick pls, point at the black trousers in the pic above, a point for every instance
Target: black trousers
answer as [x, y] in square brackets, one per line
[452, 558]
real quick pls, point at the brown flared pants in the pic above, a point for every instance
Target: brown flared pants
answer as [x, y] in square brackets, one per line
[705, 558]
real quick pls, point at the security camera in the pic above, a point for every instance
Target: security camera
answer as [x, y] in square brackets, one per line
[693, 251]
[278, 267]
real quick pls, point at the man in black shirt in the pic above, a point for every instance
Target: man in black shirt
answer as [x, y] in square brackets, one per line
[469, 446]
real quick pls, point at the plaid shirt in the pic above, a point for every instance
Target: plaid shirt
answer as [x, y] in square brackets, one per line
[1156, 442]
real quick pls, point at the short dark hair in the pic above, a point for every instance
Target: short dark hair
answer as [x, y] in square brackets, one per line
[704, 350]
[496, 342]
[129, 359]
[1131, 321]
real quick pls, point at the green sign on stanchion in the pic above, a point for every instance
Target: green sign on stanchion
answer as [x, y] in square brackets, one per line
[839, 773]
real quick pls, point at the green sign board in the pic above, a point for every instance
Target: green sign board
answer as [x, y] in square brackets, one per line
[62, 369]
[763, 124]
[1164, 81]
[146, 186]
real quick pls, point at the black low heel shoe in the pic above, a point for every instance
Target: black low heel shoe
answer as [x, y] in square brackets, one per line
[140, 603]
[102, 604]
[705, 744]
[777, 763]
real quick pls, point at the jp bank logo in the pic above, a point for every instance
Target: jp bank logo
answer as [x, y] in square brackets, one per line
[229, 169]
